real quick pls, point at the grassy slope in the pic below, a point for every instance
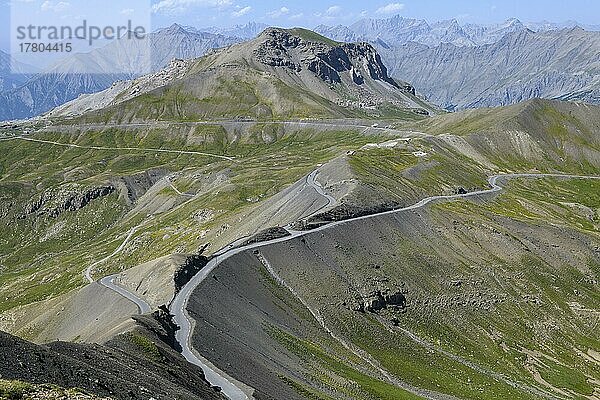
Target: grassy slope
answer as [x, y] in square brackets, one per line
[555, 324]
[567, 140]
[537, 136]
[44, 256]
[512, 313]
[18, 390]
[221, 95]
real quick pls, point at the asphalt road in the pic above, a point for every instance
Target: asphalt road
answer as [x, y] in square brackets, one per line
[179, 304]
[89, 270]
[311, 180]
[109, 282]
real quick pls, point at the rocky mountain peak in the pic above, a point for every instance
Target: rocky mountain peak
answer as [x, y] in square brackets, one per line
[300, 49]
[346, 76]
[174, 29]
[512, 22]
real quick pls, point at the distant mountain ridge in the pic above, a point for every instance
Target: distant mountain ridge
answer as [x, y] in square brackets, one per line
[522, 65]
[397, 40]
[399, 30]
[12, 74]
[248, 31]
[93, 72]
[469, 66]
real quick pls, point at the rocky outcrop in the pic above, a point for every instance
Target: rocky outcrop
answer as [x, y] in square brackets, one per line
[369, 57]
[267, 234]
[56, 201]
[189, 268]
[283, 48]
[342, 212]
[324, 70]
[378, 299]
[161, 323]
[135, 186]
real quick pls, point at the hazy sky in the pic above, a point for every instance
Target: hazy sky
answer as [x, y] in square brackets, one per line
[309, 13]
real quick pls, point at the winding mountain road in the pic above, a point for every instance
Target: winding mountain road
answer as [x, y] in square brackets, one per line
[109, 283]
[179, 304]
[311, 180]
[89, 270]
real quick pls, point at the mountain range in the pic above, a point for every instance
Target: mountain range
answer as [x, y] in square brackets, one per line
[454, 65]
[398, 30]
[292, 219]
[248, 31]
[465, 66]
[12, 74]
[522, 65]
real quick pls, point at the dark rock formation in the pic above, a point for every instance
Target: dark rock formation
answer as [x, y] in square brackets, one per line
[378, 300]
[161, 323]
[134, 186]
[268, 234]
[77, 202]
[54, 202]
[185, 272]
[367, 53]
[343, 212]
[282, 48]
[133, 366]
[324, 70]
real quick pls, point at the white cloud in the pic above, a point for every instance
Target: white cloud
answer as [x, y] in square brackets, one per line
[390, 8]
[241, 11]
[127, 11]
[180, 6]
[297, 16]
[331, 13]
[279, 13]
[56, 7]
[333, 10]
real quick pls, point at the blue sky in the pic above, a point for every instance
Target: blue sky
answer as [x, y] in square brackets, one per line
[309, 13]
